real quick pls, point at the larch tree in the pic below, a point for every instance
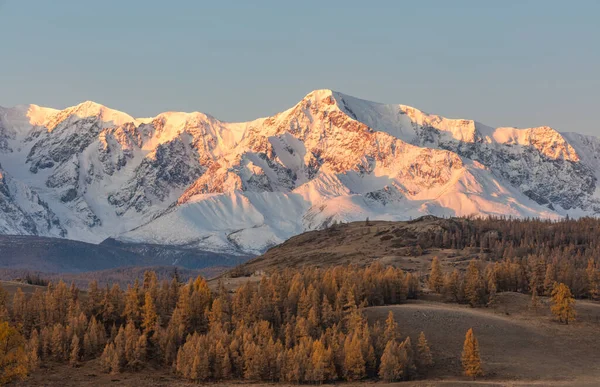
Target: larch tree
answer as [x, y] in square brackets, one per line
[140, 353]
[436, 277]
[471, 359]
[13, 359]
[33, 350]
[354, 363]
[149, 316]
[132, 309]
[493, 292]
[563, 303]
[391, 332]
[390, 368]
[593, 276]
[452, 286]
[424, 358]
[474, 287]
[75, 351]
[534, 299]
[109, 360]
[58, 342]
[322, 363]
[410, 369]
[549, 279]
[131, 341]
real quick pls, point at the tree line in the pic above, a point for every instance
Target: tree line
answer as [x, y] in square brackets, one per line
[522, 255]
[293, 326]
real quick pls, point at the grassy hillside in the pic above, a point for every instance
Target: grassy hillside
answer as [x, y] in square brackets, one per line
[361, 243]
[516, 342]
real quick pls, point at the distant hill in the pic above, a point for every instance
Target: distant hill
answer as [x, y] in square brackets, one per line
[10, 279]
[67, 256]
[361, 243]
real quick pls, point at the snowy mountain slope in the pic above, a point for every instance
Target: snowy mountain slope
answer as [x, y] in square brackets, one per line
[188, 179]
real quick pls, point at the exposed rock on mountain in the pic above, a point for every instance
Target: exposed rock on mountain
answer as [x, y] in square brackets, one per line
[188, 179]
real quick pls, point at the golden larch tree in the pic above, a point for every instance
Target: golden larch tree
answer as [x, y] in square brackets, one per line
[13, 358]
[563, 303]
[424, 357]
[471, 360]
[436, 278]
[149, 315]
[390, 368]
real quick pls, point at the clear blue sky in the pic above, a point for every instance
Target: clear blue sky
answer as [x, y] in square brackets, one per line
[513, 63]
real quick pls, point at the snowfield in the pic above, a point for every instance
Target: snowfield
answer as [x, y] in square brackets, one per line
[89, 172]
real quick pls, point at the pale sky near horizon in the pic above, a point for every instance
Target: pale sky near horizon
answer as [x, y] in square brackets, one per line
[503, 63]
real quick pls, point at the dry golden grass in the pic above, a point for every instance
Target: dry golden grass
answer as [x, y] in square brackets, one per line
[359, 243]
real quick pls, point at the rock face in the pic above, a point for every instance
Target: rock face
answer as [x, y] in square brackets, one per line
[188, 179]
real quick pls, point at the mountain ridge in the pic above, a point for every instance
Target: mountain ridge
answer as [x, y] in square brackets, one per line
[190, 179]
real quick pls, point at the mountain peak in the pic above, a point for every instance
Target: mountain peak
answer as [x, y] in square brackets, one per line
[87, 109]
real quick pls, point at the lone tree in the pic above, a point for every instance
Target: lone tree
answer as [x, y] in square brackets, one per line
[424, 358]
[563, 303]
[471, 361]
[436, 278]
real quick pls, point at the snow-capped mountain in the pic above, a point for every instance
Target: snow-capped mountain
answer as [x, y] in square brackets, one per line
[89, 172]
